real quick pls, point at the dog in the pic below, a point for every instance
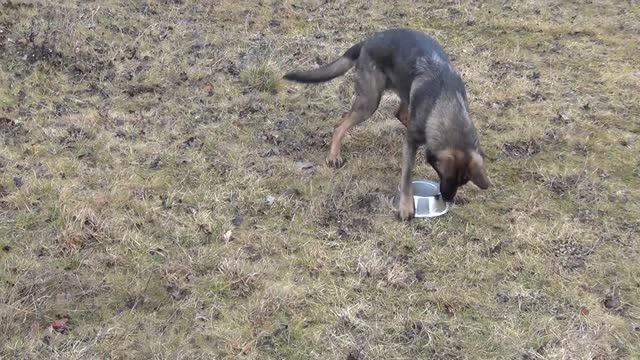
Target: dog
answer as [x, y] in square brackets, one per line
[433, 107]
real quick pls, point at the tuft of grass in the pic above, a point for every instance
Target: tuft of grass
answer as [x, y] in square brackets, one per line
[261, 78]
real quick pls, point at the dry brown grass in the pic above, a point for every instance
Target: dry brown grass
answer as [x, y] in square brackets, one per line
[152, 195]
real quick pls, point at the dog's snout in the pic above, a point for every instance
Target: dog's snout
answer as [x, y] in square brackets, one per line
[448, 191]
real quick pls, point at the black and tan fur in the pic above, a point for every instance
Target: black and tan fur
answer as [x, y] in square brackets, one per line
[433, 107]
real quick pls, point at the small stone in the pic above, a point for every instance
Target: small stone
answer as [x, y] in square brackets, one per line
[612, 302]
[629, 140]
[237, 221]
[430, 287]
[305, 166]
[17, 181]
[270, 200]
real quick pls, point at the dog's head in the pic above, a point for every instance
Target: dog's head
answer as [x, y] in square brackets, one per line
[457, 167]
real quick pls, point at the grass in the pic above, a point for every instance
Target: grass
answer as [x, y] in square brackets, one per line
[151, 195]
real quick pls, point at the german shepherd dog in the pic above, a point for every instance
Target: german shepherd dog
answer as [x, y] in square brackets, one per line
[433, 107]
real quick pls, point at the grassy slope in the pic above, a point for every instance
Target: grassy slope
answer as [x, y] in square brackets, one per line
[134, 132]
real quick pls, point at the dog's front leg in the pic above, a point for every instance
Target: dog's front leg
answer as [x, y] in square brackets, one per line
[403, 114]
[406, 207]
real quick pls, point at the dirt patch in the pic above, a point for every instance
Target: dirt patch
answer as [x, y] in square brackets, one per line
[501, 69]
[502, 104]
[499, 247]
[43, 53]
[332, 215]
[243, 287]
[192, 142]
[309, 141]
[572, 254]
[3, 191]
[366, 203]
[553, 137]
[591, 191]
[578, 185]
[521, 148]
[143, 193]
[589, 216]
[41, 170]
[536, 96]
[249, 105]
[177, 293]
[461, 200]
[532, 176]
[613, 302]
[502, 298]
[74, 134]
[348, 213]
[499, 128]
[135, 90]
[629, 140]
[251, 253]
[272, 137]
[86, 63]
[562, 185]
[10, 130]
[525, 302]
[561, 119]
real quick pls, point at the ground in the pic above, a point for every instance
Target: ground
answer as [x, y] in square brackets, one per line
[163, 193]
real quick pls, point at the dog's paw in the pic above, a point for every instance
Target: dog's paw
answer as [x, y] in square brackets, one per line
[406, 212]
[405, 215]
[336, 163]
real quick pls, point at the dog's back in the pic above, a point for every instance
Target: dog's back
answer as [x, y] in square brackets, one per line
[403, 54]
[417, 66]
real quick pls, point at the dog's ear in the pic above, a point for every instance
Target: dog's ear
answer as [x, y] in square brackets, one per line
[446, 165]
[477, 171]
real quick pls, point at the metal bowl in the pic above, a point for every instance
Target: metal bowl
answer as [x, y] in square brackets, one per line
[426, 198]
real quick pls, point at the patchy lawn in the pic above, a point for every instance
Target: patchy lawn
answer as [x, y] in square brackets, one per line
[163, 193]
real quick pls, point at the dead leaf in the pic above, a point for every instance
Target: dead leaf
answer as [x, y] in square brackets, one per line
[584, 311]
[59, 325]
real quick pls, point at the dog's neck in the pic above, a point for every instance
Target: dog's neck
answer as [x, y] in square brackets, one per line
[449, 126]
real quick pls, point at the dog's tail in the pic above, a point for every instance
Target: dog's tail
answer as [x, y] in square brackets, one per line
[329, 71]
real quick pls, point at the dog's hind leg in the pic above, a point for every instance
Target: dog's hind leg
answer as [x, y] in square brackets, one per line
[369, 86]
[403, 113]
